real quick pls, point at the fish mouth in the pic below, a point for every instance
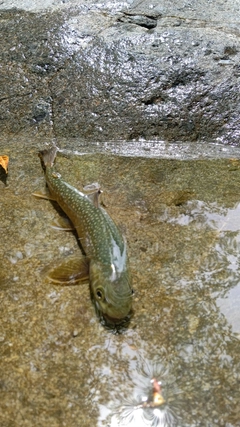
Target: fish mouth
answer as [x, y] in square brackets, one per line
[115, 324]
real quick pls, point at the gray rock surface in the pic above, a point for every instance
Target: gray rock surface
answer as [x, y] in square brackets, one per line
[121, 70]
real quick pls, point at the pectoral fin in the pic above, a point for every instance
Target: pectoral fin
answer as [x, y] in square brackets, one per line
[68, 271]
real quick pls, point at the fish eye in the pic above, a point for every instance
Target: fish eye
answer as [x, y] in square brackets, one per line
[99, 294]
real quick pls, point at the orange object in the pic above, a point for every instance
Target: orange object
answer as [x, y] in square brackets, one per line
[158, 399]
[4, 162]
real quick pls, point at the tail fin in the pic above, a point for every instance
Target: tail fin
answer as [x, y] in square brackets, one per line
[47, 156]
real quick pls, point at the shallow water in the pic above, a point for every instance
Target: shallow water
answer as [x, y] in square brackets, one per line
[59, 366]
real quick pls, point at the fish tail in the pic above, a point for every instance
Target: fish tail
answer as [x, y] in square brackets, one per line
[48, 156]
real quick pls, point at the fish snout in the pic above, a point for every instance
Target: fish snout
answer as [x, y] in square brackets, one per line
[116, 322]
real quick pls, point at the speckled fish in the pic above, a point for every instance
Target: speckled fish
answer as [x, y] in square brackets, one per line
[106, 261]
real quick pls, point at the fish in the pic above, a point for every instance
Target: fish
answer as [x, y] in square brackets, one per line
[105, 260]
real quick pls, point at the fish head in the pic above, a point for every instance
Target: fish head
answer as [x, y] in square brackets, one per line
[111, 293]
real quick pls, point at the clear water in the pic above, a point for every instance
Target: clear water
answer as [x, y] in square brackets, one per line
[180, 215]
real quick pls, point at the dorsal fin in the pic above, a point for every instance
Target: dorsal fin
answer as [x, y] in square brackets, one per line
[94, 198]
[92, 187]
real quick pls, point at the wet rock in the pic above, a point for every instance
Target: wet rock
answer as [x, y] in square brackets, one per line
[141, 20]
[108, 72]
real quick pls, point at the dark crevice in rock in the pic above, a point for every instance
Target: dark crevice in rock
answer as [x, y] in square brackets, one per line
[144, 21]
